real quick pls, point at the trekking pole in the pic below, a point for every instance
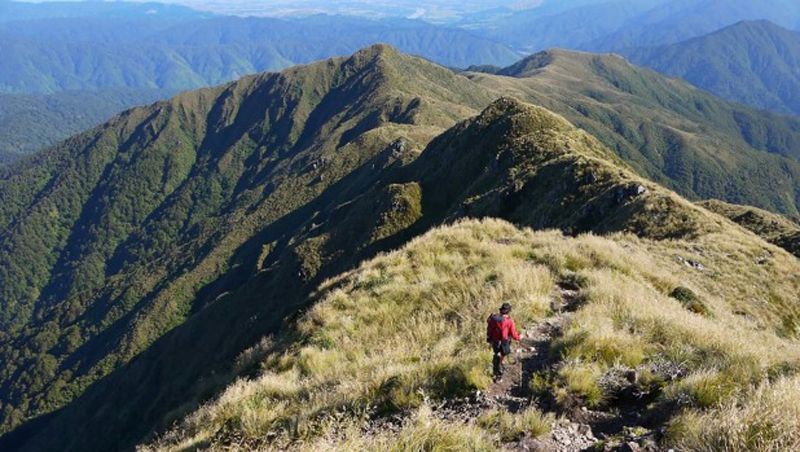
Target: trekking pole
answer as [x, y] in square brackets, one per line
[521, 383]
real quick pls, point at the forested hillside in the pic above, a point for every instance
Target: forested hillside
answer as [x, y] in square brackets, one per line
[29, 123]
[42, 57]
[669, 131]
[755, 63]
[109, 239]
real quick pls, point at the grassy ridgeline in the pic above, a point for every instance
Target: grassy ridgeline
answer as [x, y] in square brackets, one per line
[773, 228]
[406, 328]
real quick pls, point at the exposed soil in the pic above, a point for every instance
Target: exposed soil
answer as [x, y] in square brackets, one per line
[576, 428]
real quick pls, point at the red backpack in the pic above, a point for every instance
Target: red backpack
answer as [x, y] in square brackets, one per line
[501, 328]
[496, 327]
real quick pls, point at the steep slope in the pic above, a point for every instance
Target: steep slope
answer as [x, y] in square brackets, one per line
[112, 238]
[755, 63]
[775, 229]
[140, 258]
[395, 386]
[351, 372]
[667, 130]
[513, 161]
[31, 123]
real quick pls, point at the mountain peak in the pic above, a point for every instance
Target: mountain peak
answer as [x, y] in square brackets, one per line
[537, 62]
[376, 50]
[522, 118]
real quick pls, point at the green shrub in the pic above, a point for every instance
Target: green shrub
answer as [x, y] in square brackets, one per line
[690, 301]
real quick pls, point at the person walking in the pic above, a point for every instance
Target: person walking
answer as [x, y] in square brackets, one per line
[500, 330]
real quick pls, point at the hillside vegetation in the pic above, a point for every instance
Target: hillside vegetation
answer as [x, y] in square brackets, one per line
[667, 130]
[118, 235]
[773, 228]
[31, 123]
[139, 259]
[664, 309]
[402, 332]
[755, 63]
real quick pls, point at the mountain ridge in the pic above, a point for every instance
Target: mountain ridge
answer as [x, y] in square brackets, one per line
[667, 130]
[206, 222]
[532, 146]
[598, 197]
[185, 209]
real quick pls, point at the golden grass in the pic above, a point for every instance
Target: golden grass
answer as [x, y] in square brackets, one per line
[764, 419]
[404, 327]
[421, 432]
[512, 427]
[408, 326]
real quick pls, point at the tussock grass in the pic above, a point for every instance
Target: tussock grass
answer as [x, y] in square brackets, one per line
[407, 327]
[403, 328]
[421, 432]
[513, 426]
[776, 229]
[764, 419]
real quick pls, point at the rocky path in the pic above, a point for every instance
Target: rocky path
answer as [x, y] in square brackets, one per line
[533, 356]
[580, 429]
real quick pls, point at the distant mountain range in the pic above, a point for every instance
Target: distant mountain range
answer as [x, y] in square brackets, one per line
[150, 48]
[104, 53]
[620, 24]
[56, 47]
[756, 63]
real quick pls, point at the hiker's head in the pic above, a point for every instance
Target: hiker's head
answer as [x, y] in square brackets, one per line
[505, 309]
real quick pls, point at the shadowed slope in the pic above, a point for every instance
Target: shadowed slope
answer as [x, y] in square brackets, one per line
[514, 161]
[350, 372]
[773, 228]
[108, 238]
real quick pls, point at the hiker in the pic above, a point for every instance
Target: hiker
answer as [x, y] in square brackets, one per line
[500, 329]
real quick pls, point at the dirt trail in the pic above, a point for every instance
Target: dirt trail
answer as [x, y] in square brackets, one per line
[532, 356]
[579, 429]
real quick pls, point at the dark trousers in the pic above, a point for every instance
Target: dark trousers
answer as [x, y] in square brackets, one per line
[501, 349]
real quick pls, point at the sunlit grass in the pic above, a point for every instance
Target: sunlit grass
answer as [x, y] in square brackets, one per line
[406, 328]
